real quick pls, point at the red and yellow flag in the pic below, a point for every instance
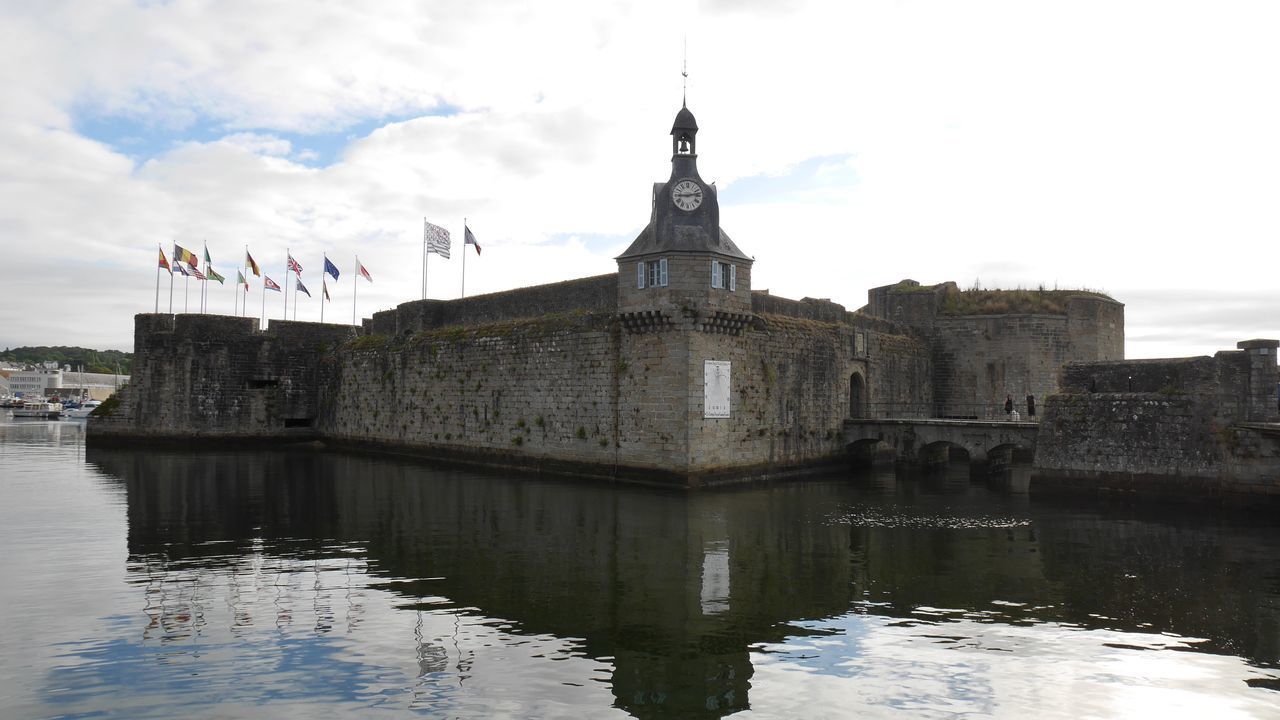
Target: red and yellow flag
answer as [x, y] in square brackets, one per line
[249, 263]
[163, 262]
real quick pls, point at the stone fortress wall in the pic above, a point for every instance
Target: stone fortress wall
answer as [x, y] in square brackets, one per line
[980, 358]
[546, 378]
[1182, 425]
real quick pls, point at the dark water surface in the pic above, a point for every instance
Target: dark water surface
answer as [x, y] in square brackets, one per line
[308, 584]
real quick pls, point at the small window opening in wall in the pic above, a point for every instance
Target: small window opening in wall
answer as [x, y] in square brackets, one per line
[297, 422]
[260, 383]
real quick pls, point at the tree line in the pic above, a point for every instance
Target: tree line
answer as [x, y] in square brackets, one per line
[94, 361]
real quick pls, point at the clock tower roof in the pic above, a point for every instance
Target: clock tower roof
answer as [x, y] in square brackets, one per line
[685, 215]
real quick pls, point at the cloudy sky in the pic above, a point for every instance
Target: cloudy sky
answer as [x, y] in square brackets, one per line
[1127, 147]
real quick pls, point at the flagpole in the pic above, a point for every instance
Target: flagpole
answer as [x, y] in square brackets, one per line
[322, 286]
[354, 290]
[171, 289]
[204, 286]
[263, 320]
[158, 280]
[286, 285]
[464, 257]
[186, 296]
[424, 259]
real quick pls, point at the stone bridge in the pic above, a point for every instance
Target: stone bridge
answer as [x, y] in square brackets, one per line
[929, 440]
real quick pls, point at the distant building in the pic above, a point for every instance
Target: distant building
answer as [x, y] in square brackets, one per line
[35, 382]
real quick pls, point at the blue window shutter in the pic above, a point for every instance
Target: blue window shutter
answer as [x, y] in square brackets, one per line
[733, 278]
[662, 272]
[715, 274]
[640, 275]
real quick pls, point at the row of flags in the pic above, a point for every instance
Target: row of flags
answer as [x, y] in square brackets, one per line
[436, 240]
[187, 264]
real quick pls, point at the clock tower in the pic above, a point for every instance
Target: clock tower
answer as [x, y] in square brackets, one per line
[683, 268]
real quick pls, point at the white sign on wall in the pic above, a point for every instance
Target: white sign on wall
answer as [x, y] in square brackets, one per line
[715, 374]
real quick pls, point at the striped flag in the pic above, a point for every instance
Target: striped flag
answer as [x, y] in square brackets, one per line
[293, 264]
[469, 239]
[181, 254]
[249, 263]
[195, 272]
[177, 267]
[163, 262]
[436, 239]
[365, 274]
[301, 288]
[269, 284]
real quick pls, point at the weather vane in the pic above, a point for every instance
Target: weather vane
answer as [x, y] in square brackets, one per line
[684, 72]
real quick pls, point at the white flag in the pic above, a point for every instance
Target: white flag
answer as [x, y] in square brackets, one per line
[435, 238]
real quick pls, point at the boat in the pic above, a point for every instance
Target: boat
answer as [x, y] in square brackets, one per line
[46, 410]
[83, 410]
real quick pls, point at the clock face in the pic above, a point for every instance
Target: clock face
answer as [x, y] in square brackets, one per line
[687, 195]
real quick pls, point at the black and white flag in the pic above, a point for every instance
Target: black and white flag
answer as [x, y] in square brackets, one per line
[435, 238]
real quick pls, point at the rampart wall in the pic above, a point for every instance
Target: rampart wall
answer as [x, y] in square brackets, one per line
[578, 390]
[1201, 425]
[218, 376]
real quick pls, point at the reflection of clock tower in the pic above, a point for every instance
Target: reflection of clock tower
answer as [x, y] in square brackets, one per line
[682, 265]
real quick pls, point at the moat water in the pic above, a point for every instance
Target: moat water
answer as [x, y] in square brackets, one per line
[310, 584]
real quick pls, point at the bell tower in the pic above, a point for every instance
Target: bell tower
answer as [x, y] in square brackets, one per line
[683, 267]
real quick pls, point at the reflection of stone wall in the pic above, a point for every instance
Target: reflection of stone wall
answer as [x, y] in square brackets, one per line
[624, 572]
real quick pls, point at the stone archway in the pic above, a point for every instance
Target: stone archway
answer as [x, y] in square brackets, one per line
[857, 396]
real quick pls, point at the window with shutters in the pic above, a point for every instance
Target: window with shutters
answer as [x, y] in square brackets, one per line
[724, 276]
[652, 273]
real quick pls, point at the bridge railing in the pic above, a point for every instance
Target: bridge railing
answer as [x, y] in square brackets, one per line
[952, 411]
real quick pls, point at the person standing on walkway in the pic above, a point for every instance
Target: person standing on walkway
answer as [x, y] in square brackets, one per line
[1008, 406]
[1031, 406]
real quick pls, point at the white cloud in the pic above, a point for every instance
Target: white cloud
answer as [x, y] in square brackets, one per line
[1125, 148]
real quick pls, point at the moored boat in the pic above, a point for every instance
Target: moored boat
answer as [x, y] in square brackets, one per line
[83, 410]
[46, 410]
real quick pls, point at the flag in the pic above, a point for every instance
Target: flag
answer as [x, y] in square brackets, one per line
[240, 279]
[215, 276]
[181, 254]
[177, 267]
[330, 268]
[207, 261]
[469, 239]
[293, 264]
[301, 288]
[163, 262]
[269, 284]
[325, 287]
[196, 273]
[249, 263]
[365, 274]
[436, 239]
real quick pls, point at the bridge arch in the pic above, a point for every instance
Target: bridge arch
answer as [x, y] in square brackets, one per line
[869, 452]
[941, 452]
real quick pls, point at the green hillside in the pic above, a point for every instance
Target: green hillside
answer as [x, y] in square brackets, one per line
[96, 361]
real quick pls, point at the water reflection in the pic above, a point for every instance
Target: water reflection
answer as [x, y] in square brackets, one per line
[671, 602]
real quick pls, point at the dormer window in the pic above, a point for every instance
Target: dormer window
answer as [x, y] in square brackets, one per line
[651, 273]
[724, 276]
